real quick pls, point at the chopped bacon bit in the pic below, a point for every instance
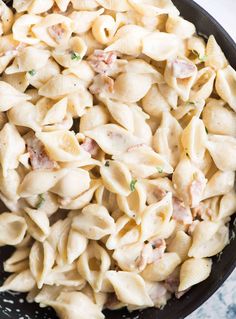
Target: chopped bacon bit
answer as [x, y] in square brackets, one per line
[151, 252]
[90, 146]
[38, 156]
[193, 226]
[57, 31]
[180, 212]
[183, 69]
[102, 83]
[102, 61]
[196, 189]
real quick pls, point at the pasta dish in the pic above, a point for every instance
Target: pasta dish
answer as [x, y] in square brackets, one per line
[117, 153]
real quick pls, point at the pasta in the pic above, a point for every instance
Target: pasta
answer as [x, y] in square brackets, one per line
[117, 153]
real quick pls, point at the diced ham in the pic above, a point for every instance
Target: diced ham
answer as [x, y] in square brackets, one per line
[38, 156]
[183, 69]
[102, 61]
[57, 32]
[180, 212]
[151, 252]
[90, 146]
[196, 189]
[102, 83]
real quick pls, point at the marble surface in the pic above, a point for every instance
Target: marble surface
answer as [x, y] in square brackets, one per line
[222, 305]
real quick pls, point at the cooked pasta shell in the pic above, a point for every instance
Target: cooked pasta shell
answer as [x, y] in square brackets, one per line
[22, 28]
[40, 181]
[203, 85]
[48, 202]
[212, 243]
[93, 264]
[160, 46]
[104, 28]
[79, 101]
[9, 184]
[143, 162]
[225, 85]
[19, 282]
[180, 245]
[34, 7]
[116, 178]
[218, 146]
[152, 8]
[215, 56]
[83, 20]
[41, 259]
[38, 224]
[141, 127]
[18, 262]
[13, 229]
[227, 206]
[10, 97]
[126, 232]
[130, 288]
[193, 271]
[94, 222]
[180, 27]
[156, 216]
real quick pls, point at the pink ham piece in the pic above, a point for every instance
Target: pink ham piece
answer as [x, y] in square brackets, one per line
[180, 212]
[90, 146]
[183, 69]
[57, 32]
[101, 61]
[38, 156]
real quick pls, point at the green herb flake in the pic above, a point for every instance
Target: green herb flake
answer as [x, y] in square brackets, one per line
[159, 169]
[206, 130]
[75, 56]
[201, 58]
[41, 200]
[107, 164]
[32, 72]
[132, 185]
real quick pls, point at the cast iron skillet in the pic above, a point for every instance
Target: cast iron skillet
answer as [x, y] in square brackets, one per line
[14, 306]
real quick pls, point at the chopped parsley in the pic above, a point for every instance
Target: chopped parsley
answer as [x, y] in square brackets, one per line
[201, 58]
[75, 56]
[159, 169]
[41, 200]
[206, 130]
[132, 185]
[32, 72]
[190, 103]
[107, 164]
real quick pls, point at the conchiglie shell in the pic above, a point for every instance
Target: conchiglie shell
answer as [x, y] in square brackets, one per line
[19, 282]
[94, 222]
[12, 146]
[126, 232]
[154, 7]
[156, 216]
[59, 86]
[83, 71]
[30, 58]
[193, 271]
[218, 146]
[161, 269]
[133, 204]
[53, 20]
[104, 28]
[197, 47]
[194, 139]
[22, 28]
[64, 55]
[83, 20]
[155, 46]
[18, 261]
[93, 264]
[18, 80]
[9, 184]
[10, 97]
[115, 5]
[128, 40]
[180, 27]
[79, 101]
[218, 119]
[13, 229]
[40, 181]
[56, 113]
[227, 205]
[62, 4]
[219, 184]
[7, 17]
[49, 205]
[112, 138]
[61, 145]
[130, 288]
[25, 114]
[225, 85]
[116, 178]
[204, 84]
[143, 162]
[212, 243]
[33, 7]
[72, 184]
[180, 245]
[141, 127]
[41, 259]
[38, 223]
[215, 56]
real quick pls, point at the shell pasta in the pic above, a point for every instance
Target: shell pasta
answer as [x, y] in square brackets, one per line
[115, 122]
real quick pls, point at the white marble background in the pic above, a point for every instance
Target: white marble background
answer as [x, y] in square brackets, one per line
[222, 305]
